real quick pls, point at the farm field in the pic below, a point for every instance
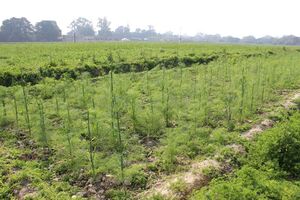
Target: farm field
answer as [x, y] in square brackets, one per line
[149, 121]
[32, 62]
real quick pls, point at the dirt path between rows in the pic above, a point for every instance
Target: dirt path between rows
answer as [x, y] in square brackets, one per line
[266, 123]
[195, 177]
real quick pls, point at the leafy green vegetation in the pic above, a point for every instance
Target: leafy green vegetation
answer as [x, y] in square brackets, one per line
[270, 170]
[67, 60]
[111, 136]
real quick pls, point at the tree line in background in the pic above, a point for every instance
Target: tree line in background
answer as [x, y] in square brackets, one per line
[82, 29]
[21, 30]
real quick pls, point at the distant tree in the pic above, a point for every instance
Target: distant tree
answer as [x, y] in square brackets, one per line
[142, 34]
[122, 32]
[135, 35]
[289, 40]
[2, 39]
[168, 36]
[266, 40]
[213, 38]
[138, 30]
[230, 39]
[149, 33]
[248, 39]
[47, 31]
[82, 27]
[104, 32]
[17, 30]
[151, 30]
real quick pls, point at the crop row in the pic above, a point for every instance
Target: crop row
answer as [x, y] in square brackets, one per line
[9, 78]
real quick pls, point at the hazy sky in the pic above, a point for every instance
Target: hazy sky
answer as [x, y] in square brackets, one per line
[226, 17]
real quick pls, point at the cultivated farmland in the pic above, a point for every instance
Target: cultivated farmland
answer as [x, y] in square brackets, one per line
[148, 120]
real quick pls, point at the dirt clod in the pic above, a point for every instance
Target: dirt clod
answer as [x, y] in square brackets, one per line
[26, 193]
